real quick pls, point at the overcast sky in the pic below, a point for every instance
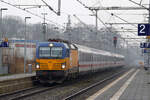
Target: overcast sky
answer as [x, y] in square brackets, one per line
[73, 7]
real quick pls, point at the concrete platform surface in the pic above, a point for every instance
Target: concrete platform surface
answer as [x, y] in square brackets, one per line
[135, 85]
[16, 76]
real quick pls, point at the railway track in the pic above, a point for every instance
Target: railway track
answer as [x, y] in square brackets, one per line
[16, 92]
[34, 91]
[25, 93]
[82, 91]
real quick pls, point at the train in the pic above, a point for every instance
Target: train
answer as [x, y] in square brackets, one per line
[58, 60]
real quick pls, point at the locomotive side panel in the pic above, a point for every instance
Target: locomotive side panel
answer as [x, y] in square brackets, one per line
[73, 61]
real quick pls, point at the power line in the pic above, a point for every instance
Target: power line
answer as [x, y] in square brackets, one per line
[83, 23]
[82, 3]
[123, 20]
[105, 24]
[97, 16]
[139, 4]
[30, 13]
[94, 13]
[57, 13]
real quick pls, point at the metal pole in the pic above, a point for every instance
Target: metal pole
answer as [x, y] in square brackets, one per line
[127, 49]
[1, 38]
[59, 7]
[149, 12]
[149, 39]
[25, 36]
[96, 21]
[25, 48]
[44, 26]
[1, 34]
[1, 25]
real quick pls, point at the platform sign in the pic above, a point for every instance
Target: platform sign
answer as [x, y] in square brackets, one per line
[143, 29]
[4, 44]
[146, 51]
[144, 45]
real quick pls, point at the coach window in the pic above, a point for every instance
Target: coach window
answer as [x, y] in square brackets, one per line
[111, 58]
[100, 58]
[105, 58]
[90, 57]
[82, 56]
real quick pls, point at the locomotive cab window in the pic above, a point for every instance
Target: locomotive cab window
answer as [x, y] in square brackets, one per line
[56, 52]
[44, 52]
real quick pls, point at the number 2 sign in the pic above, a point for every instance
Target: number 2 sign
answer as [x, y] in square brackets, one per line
[143, 29]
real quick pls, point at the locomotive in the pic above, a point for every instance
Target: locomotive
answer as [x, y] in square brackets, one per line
[57, 60]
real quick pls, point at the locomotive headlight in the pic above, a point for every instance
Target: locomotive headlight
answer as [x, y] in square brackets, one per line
[51, 44]
[37, 66]
[63, 66]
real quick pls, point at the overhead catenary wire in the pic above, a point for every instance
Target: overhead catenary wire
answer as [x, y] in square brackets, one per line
[94, 13]
[96, 16]
[49, 7]
[102, 21]
[83, 23]
[139, 4]
[32, 13]
[112, 14]
[123, 20]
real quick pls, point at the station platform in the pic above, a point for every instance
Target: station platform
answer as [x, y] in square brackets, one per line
[133, 85]
[15, 82]
[16, 76]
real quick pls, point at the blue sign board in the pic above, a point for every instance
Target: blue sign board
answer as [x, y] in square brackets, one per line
[143, 29]
[144, 45]
[146, 50]
[4, 44]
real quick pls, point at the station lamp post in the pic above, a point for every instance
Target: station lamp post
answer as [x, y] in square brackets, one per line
[1, 32]
[1, 21]
[25, 47]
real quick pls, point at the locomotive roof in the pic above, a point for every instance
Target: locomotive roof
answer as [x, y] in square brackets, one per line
[47, 43]
[84, 49]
